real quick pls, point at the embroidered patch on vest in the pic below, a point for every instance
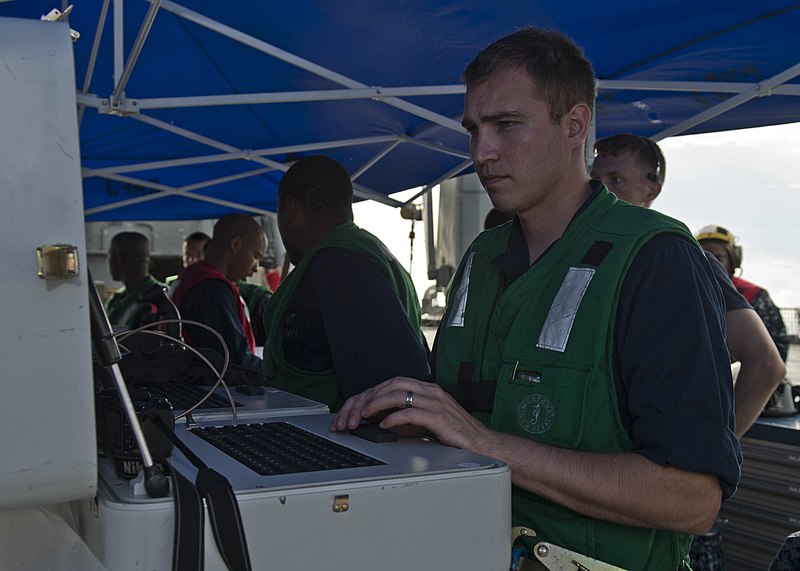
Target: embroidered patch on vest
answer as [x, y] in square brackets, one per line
[456, 318]
[558, 325]
[535, 414]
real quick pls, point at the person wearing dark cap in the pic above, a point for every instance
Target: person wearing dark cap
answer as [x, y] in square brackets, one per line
[347, 316]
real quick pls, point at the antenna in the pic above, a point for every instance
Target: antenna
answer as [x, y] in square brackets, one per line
[155, 483]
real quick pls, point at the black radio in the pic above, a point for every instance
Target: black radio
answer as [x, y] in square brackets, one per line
[114, 435]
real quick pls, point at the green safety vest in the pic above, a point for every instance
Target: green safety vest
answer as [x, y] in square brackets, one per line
[123, 308]
[323, 386]
[547, 340]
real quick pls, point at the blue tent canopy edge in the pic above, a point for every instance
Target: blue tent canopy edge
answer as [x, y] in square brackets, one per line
[207, 103]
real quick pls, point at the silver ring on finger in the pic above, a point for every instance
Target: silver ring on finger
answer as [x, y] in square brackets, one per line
[409, 399]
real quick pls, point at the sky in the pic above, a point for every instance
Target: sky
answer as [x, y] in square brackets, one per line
[743, 180]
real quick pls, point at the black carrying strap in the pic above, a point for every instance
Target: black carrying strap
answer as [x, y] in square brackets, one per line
[187, 545]
[226, 520]
[223, 509]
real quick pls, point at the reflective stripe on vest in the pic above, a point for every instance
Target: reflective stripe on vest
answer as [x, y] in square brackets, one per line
[561, 317]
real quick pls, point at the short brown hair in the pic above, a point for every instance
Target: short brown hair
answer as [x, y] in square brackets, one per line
[644, 149]
[563, 76]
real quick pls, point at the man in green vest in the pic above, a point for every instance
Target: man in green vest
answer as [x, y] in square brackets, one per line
[347, 317]
[129, 262]
[564, 350]
[634, 168]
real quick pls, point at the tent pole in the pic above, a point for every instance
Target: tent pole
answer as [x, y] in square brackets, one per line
[122, 81]
[311, 67]
[758, 90]
[370, 163]
[101, 23]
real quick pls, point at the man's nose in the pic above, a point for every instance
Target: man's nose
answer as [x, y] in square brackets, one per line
[484, 147]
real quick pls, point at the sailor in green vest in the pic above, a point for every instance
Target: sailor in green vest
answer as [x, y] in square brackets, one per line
[347, 316]
[128, 262]
[633, 167]
[565, 350]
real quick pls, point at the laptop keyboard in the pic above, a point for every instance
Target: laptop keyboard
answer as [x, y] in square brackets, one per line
[281, 448]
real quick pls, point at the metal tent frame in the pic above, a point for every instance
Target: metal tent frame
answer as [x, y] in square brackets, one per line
[273, 159]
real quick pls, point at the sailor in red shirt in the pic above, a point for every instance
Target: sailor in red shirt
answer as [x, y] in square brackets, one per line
[208, 292]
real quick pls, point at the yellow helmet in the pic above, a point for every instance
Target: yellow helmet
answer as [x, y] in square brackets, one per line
[713, 232]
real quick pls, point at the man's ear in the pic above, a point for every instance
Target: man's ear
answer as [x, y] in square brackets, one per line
[235, 243]
[578, 120]
[653, 190]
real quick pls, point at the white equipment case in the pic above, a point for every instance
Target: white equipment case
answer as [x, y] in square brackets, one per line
[428, 506]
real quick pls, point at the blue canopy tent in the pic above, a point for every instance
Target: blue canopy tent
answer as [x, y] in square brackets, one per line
[191, 110]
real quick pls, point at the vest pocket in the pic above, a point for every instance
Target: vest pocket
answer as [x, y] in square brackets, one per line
[542, 402]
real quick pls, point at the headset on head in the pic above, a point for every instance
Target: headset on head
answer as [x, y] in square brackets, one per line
[631, 143]
[713, 232]
[661, 168]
